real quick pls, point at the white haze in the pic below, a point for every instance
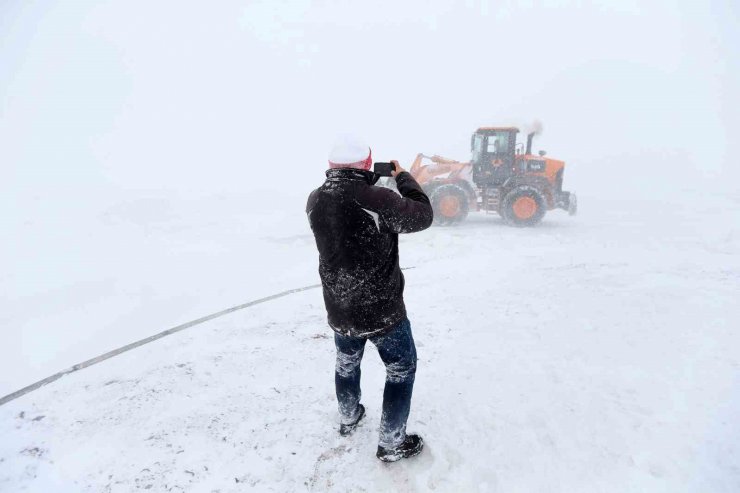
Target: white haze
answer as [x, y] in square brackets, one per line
[155, 159]
[105, 103]
[187, 96]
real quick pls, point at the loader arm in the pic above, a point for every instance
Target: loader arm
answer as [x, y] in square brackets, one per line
[442, 160]
[424, 173]
[416, 165]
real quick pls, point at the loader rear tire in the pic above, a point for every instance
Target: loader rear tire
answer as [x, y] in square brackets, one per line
[523, 206]
[450, 204]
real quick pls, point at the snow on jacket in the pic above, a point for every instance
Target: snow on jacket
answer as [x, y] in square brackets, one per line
[356, 226]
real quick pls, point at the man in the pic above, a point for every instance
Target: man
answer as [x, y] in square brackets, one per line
[356, 226]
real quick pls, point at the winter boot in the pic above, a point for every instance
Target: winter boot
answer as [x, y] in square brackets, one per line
[410, 447]
[346, 430]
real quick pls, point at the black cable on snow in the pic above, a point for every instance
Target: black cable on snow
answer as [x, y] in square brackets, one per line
[133, 345]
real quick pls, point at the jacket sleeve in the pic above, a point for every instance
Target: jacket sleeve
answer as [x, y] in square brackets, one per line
[409, 213]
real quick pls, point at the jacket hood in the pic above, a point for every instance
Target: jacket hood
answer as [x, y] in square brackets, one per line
[337, 174]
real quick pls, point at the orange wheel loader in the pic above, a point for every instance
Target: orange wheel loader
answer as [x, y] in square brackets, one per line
[501, 176]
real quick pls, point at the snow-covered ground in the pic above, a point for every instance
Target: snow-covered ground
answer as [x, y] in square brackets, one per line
[85, 277]
[590, 354]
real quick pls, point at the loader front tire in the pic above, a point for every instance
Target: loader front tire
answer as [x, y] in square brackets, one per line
[523, 206]
[450, 204]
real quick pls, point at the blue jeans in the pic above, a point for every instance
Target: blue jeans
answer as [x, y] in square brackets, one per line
[397, 350]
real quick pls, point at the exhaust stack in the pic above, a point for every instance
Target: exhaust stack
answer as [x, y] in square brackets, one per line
[530, 136]
[535, 128]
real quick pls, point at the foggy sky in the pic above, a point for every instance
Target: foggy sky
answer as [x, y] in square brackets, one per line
[102, 97]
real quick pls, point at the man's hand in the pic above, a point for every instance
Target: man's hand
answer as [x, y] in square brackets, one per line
[399, 169]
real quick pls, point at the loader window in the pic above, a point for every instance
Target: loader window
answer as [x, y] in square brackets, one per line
[497, 143]
[477, 146]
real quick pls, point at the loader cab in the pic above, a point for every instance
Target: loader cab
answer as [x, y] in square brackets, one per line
[493, 154]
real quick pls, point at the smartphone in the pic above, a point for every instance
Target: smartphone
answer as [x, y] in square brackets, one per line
[384, 169]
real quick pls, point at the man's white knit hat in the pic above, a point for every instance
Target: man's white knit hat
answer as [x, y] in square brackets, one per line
[350, 152]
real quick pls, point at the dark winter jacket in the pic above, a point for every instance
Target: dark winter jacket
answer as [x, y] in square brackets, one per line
[356, 227]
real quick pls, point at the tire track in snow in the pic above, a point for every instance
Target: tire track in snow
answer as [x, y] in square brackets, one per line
[147, 340]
